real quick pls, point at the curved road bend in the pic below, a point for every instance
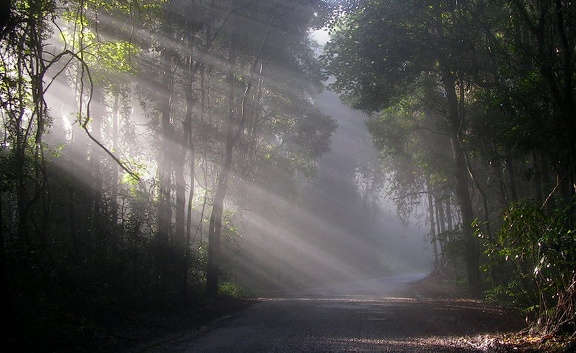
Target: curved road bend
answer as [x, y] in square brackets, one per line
[379, 315]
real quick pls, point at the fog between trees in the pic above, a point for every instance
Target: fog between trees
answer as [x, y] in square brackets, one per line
[159, 153]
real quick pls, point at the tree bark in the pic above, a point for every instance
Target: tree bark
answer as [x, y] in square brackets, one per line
[455, 120]
[461, 186]
[164, 175]
[215, 225]
[96, 157]
[186, 145]
[235, 127]
[115, 168]
[432, 225]
[511, 175]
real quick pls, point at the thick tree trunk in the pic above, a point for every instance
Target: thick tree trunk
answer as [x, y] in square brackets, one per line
[455, 120]
[466, 210]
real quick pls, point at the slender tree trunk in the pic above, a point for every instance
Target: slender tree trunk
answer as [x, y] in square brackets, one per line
[179, 243]
[96, 191]
[215, 226]
[441, 215]
[180, 238]
[538, 178]
[188, 243]
[115, 171]
[481, 191]
[432, 225]
[511, 175]
[235, 127]
[448, 209]
[165, 180]
[214, 233]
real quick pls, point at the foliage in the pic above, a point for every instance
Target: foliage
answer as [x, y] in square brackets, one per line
[113, 117]
[474, 101]
[534, 253]
[232, 290]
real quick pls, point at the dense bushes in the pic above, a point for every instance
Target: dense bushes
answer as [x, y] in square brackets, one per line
[533, 263]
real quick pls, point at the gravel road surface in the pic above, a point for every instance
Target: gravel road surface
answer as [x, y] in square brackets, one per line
[380, 315]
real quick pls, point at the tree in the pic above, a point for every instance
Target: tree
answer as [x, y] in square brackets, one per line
[247, 110]
[414, 40]
[500, 77]
[24, 29]
[93, 196]
[547, 41]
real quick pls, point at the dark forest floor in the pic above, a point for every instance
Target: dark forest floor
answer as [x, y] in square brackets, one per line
[141, 332]
[157, 325]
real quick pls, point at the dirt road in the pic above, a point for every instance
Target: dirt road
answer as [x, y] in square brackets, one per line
[381, 315]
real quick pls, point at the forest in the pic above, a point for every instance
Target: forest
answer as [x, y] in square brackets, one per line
[154, 153]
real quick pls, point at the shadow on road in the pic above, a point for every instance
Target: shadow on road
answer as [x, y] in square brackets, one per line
[377, 315]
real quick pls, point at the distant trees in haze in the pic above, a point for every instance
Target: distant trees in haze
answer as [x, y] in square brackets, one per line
[473, 104]
[129, 129]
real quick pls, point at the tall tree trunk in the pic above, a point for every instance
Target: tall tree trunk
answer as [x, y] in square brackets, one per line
[455, 120]
[115, 171]
[179, 243]
[215, 226]
[180, 237]
[462, 187]
[164, 175]
[466, 211]
[235, 127]
[96, 191]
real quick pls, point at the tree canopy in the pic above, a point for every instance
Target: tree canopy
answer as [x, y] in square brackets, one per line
[471, 102]
[128, 131]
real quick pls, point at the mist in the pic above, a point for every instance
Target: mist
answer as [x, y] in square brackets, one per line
[175, 156]
[337, 231]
